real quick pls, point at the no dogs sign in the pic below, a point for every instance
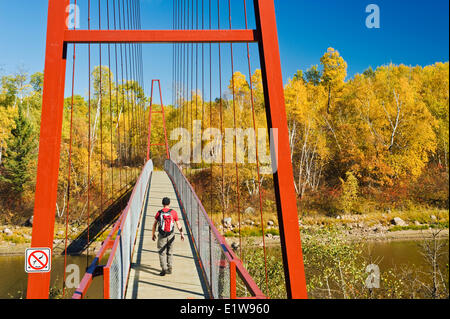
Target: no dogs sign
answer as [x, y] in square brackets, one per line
[38, 260]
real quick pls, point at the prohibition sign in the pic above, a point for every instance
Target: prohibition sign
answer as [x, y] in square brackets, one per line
[37, 260]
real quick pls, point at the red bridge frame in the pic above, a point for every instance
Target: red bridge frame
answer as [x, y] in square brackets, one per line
[58, 36]
[150, 115]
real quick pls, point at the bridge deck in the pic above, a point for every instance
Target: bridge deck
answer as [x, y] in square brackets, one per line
[144, 282]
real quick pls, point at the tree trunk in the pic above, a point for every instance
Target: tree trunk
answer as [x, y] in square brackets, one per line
[329, 100]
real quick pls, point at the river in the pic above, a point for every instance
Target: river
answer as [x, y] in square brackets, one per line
[13, 279]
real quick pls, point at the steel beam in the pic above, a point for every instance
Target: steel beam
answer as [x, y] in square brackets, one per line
[160, 36]
[49, 143]
[284, 177]
[151, 112]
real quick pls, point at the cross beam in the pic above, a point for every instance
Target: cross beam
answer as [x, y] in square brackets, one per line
[160, 36]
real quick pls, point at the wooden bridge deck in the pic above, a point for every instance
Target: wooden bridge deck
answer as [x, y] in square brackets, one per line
[144, 281]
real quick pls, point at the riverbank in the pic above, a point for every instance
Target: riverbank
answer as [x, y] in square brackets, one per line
[359, 235]
[14, 240]
[379, 226]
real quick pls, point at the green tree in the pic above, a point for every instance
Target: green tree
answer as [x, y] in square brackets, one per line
[15, 171]
[312, 75]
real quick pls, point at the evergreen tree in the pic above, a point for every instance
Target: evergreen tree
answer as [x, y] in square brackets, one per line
[15, 171]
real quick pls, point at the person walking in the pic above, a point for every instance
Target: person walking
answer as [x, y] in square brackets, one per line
[166, 219]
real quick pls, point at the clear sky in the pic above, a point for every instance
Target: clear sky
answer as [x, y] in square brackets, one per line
[412, 32]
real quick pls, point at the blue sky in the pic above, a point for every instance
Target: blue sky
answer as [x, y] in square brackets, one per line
[411, 32]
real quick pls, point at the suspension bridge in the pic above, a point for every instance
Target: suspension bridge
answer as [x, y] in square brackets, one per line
[121, 178]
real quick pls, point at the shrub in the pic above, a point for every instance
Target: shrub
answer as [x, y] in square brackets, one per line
[350, 190]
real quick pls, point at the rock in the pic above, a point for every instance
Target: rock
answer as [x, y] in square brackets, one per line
[249, 211]
[417, 223]
[397, 221]
[29, 222]
[235, 245]
[250, 222]
[60, 233]
[7, 232]
[338, 217]
[27, 237]
[433, 218]
[270, 223]
[269, 236]
[227, 221]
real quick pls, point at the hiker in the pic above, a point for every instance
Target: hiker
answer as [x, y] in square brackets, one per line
[166, 219]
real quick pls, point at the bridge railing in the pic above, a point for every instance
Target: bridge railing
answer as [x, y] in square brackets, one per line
[219, 264]
[121, 240]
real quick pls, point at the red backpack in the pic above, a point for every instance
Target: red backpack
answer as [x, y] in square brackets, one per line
[166, 223]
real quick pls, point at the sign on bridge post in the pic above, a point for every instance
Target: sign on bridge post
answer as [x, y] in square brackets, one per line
[38, 260]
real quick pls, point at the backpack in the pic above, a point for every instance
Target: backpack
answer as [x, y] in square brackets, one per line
[166, 223]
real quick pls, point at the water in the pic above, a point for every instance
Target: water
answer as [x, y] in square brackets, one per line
[401, 253]
[13, 279]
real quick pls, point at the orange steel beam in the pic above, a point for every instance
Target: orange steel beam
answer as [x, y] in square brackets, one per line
[49, 143]
[160, 36]
[151, 112]
[283, 178]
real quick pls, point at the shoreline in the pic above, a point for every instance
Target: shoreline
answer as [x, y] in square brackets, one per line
[401, 235]
[8, 249]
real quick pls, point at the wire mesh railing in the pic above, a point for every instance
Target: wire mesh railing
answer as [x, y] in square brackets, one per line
[219, 264]
[121, 241]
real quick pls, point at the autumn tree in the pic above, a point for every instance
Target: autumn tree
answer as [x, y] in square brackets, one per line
[333, 74]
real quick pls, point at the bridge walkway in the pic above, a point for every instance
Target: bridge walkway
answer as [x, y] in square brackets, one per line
[186, 281]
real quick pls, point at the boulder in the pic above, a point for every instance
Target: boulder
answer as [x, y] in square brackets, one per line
[249, 222]
[270, 223]
[29, 222]
[227, 221]
[397, 221]
[7, 232]
[249, 211]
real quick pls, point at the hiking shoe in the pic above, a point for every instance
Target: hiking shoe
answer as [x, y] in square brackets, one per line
[163, 273]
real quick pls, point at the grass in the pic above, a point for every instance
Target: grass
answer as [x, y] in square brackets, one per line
[249, 231]
[438, 225]
[372, 218]
[369, 219]
[409, 227]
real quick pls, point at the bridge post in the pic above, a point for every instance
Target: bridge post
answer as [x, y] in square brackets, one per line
[49, 143]
[149, 143]
[281, 153]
